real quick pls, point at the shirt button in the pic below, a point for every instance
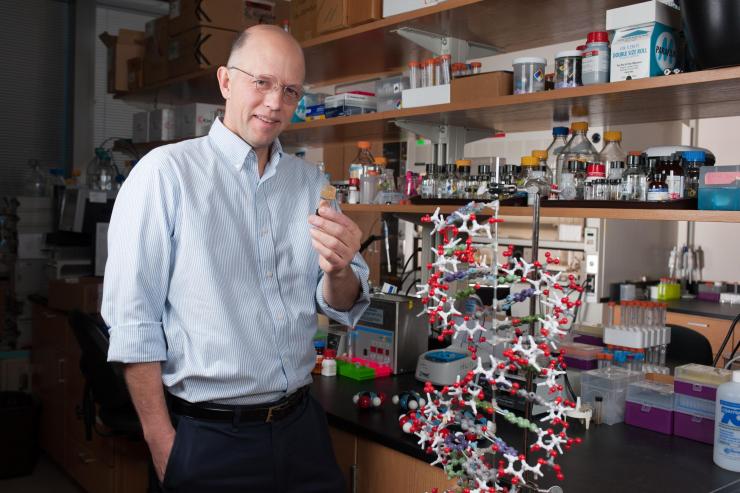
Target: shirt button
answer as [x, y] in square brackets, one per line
[269, 274]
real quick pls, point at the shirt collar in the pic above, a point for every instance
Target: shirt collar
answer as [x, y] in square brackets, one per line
[235, 150]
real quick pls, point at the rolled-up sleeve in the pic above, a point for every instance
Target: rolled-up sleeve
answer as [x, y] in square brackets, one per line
[351, 316]
[140, 252]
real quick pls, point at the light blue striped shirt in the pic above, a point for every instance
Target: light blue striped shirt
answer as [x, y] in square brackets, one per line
[211, 270]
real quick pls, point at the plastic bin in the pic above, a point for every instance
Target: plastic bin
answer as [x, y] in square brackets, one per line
[700, 381]
[694, 406]
[650, 405]
[18, 429]
[719, 188]
[693, 427]
[611, 385]
[529, 74]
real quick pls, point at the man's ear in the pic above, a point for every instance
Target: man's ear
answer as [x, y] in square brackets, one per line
[224, 82]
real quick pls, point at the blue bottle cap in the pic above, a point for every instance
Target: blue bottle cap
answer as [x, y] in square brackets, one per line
[557, 131]
[697, 156]
[319, 343]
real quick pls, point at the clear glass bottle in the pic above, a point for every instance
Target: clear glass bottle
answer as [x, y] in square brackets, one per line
[442, 191]
[35, 185]
[579, 148]
[100, 172]
[559, 141]
[483, 179]
[634, 179]
[694, 161]
[428, 184]
[612, 154]
[462, 177]
[541, 155]
[674, 178]
[363, 161]
[534, 179]
[658, 189]
[578, 169]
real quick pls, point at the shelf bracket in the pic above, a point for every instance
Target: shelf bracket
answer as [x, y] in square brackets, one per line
[460, 49]
[448, 140]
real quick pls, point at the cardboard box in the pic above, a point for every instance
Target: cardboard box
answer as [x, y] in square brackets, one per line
[127, 45]
[333, 15]
[222, 14]
[140, 130]
[474, 87]
[643, 51]
[80, 293]
[395, 7]
[135, 73]
[195, 119]
[265, 12]
[161, 125]
[348, 103]
[155, 57]
[303, 19]
[199, 49]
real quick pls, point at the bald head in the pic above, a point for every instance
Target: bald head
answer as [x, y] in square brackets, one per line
[279, 40]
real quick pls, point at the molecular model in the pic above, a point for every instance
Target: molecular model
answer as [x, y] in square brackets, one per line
[457, 422]
[367, 399]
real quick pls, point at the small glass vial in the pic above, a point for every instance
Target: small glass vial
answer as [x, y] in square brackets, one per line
[423, 74]
[462, 176]
[354, 191]
[414, 76]
[694, 161]
[634, 181]
[475, 68]
[658, 189]
[615, 189]
[445, 69]
[428, 184]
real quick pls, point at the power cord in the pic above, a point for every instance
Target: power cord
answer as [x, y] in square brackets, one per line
[730, 331]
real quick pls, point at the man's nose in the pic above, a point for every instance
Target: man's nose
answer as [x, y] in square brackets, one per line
[274, 99]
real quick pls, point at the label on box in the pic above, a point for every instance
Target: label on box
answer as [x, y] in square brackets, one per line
[642, 51]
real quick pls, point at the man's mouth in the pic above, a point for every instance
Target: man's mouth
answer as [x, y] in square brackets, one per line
[266, 119]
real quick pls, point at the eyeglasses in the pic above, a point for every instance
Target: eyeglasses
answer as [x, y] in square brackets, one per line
[265, 84]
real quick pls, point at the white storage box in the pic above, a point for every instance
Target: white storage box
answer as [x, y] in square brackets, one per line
[161, 125]
[140, 130]
[642, 13]
[195, 120]
[425, 96]
[395, 7]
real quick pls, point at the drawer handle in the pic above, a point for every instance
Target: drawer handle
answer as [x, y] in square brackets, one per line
[84, 458]
[697, 324]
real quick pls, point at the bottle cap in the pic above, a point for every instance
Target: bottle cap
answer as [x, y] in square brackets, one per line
[557, 131]
[462, 162]
[446, 57]
[579, 126]
[413, 64]
[699, 156]
[530, 59]
[363, 144]
[476, 64]
[381, 161]
[597, 37]
[539, 154]
[613, 136]
[530, 161]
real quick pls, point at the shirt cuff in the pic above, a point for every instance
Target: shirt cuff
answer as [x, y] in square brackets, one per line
[351, 316]
[137, 343]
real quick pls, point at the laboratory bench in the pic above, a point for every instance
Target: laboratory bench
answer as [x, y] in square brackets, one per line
[613, 458]
[724, 311]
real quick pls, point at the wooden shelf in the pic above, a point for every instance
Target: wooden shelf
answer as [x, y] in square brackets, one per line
[508, 25]
[705, 94]
[629, 214]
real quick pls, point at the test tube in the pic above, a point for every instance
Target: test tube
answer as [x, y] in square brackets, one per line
[639, 361]
[598, 404]
[414, 81]
[445, 69]
[609, 322]
[429, 69]
[438, 71]
[423, 75]
[475, 67]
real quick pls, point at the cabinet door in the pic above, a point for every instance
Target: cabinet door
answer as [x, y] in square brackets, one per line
[48, 378]
[132, 466]
[384, 469]
[713, 329]
[87, 467]
[345, 450]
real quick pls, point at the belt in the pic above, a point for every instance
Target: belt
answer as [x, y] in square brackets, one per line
[264, 413]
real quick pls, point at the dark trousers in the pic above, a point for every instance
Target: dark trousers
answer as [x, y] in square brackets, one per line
[292, 455]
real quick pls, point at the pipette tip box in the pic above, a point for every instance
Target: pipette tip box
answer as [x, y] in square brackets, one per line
[649, 405]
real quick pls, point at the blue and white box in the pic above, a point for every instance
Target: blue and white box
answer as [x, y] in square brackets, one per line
[644, 42]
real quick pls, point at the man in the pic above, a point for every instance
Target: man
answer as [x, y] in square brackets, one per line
[216, 266]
